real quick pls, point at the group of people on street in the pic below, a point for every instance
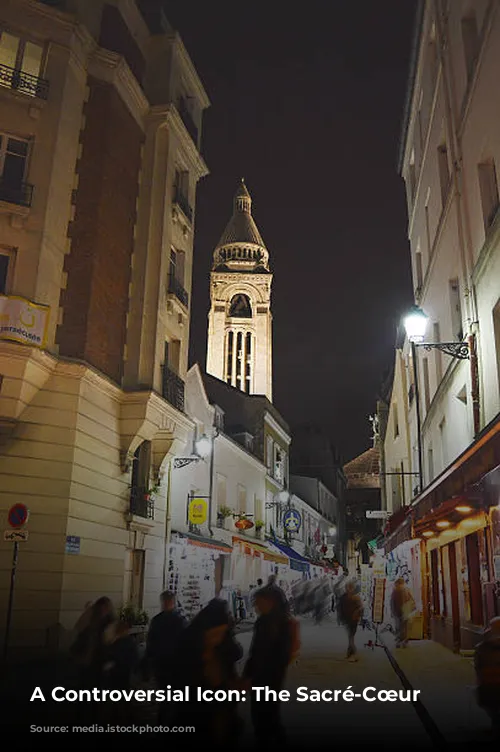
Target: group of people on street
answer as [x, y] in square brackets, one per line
[203, 653]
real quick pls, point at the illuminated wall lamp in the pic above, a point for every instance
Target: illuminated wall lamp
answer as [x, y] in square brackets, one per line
[469, 523]
[443, 523]
[463, 509]
[428, 534]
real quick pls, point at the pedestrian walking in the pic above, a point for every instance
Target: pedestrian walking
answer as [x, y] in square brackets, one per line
[350, 613]
[121, 662]
[487, 665]
[207, 657]
[165, 632]
[274, 646]
[402, 607]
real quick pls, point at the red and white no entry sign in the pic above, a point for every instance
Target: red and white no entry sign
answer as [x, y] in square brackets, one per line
[18, 515]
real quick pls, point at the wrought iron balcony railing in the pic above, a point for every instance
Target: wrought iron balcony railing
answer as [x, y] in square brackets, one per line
[141, 503]
[26, 83]
[16, 193]
[173, 388]
[183, 204]
[188, 121]
[175, 288]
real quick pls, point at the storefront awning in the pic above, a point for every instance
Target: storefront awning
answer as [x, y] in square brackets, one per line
[255, 549]
[297, 562]
[198, 540]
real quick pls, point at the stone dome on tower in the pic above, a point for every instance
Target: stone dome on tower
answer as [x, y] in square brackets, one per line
[241, 247]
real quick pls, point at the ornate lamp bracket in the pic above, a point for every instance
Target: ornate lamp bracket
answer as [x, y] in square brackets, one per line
[184, 461]
[458, 350]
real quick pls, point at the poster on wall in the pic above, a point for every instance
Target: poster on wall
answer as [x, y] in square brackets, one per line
[23, 321]
[378, 600]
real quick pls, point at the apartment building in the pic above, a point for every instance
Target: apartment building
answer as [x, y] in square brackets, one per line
[450, 157]
[100, 126]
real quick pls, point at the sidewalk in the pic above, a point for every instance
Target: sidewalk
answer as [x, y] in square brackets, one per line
[447, 684]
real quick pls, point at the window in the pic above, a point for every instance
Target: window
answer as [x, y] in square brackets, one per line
[395, 421]
[229, 357]
[419, 269]
[444, 171]
[428, 228]
[488, 188]
[470, 39]
[242, 499]
[442, 436]
[412, 176]
[278, 464]
[221, 491]
[181, 193]
[13, 161]
[427, 388]
[20, 65]
[248, 362]
[456, 310]
[430, 463]
[173, 264]
[239, 358]
[269, 453]
[172, 355]
[437, 354]
[240, 307]
[6, 270]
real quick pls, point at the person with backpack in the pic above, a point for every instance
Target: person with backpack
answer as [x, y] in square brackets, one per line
[275, 644]
[350, 613]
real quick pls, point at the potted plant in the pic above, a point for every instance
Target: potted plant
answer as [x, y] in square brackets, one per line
[137, 617]
[224, 513]
[259, 527]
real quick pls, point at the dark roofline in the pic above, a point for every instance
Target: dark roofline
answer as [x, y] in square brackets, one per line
[417, 31]
[259, 398]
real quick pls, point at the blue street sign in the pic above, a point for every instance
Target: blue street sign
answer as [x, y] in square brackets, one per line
[72, 544]
[292, 520]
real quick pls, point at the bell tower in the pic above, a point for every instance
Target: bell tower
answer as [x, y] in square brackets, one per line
[239, 349]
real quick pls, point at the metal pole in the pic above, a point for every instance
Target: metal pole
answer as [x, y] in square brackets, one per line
[211, 484]
[11, 599]
[168, 523]
[419, 429]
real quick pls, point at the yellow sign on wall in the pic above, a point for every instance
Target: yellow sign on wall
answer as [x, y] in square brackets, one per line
[23, 321]
[198, 511]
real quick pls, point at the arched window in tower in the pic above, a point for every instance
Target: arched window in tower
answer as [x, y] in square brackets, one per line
[240, 307]
[229, 357]
[239, 360]
[248, 361]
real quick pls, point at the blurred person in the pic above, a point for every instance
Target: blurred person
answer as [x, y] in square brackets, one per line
[487, 666]
[122, 660]
[207, 658]
[350, 613]
[163, 638]
[274, 645]
[402, 608]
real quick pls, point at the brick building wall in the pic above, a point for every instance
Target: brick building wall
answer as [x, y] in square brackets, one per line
[95, 301]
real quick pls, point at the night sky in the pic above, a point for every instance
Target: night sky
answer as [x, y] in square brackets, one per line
[306, 105]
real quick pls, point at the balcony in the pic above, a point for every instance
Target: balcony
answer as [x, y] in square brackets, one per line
[188, 121]
[141, 504]
[175, 288]
[183, 205]
[173, 389]
[16, 193]
[26, 83]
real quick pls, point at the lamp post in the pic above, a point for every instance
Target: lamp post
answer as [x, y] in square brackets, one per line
[205, 446]
[415, 324]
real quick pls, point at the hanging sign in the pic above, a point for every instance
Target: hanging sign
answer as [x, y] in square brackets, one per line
[198, 511]
[23, 321]
[378, 600]
[292, 520]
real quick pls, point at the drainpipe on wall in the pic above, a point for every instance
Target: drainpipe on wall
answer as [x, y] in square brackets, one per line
[168, 523]
[476, 406]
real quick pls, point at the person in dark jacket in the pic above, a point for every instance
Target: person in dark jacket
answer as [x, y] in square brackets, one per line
[122, 659]
[207, 658]
[90, 653]
[487, 665]
[270, 655]
[164, 633]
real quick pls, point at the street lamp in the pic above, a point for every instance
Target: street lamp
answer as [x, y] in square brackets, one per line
[415, 323]
[204, 447]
